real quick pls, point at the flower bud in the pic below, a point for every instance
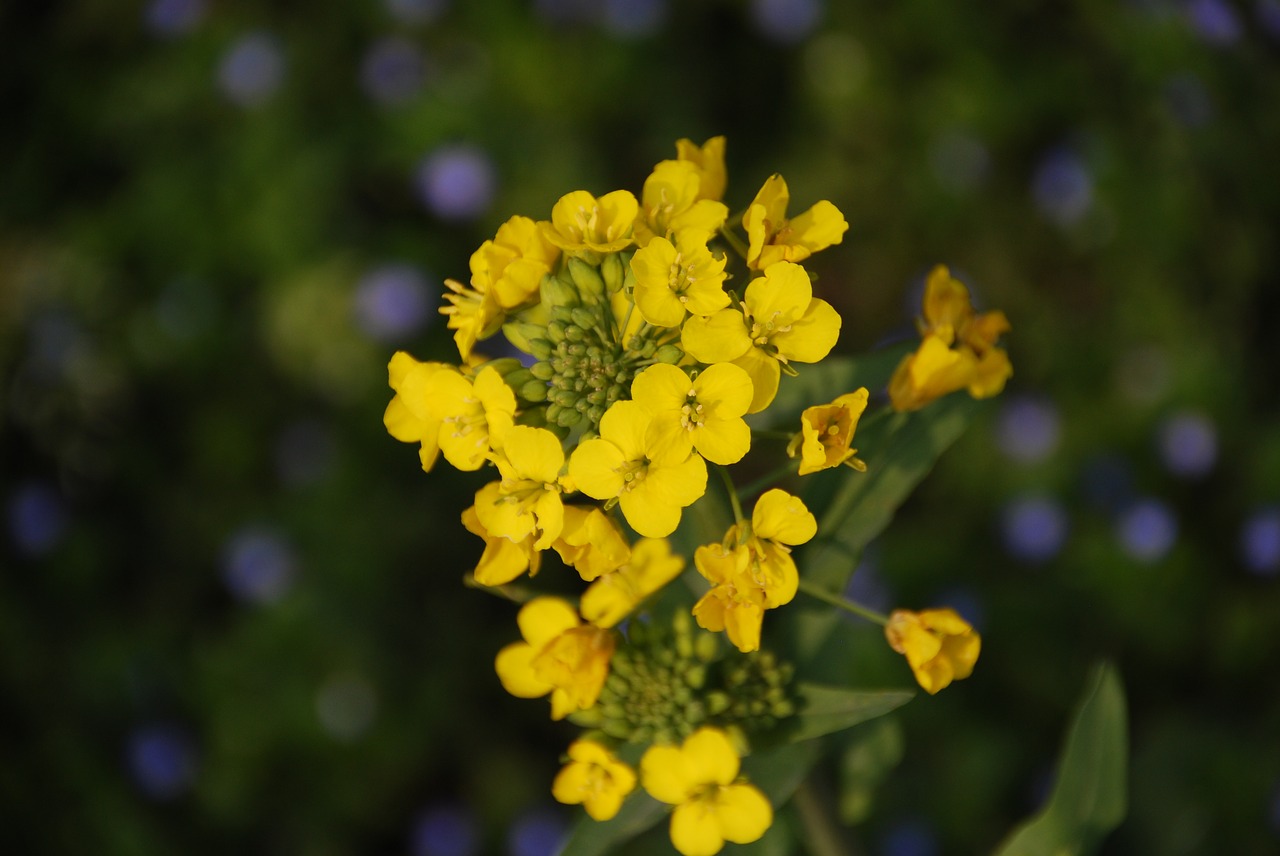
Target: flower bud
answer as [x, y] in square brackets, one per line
[588, 281]
[670, 354]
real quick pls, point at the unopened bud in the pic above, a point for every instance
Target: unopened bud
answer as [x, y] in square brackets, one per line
[588, 280]
[669, 354]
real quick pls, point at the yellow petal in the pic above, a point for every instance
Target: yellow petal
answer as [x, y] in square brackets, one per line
[717, 338]
[743, 812]
[665, 774]
[711, 756]
[695, 829]
[781, 517]
[544, 618]
[812, 336]
[594, 468]
[514, 665]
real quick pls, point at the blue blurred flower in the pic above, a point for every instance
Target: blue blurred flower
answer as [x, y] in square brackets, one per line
[416, 11]
[1028, 429]
[1147, 530]
[786, 21]
[1188, 444]
[456, 182]
[258, 565]
[445, 830]
[37, 518]
[1214, 21]
[867, 585]
[909, 838]
[1269, 17]
[170, 18]
[633, 18]
[162, 760]
[538, 832]
[252, 69]
[393, 71]
[1034, 527]
[1260, 541]
[392, 302]
[1063, 187]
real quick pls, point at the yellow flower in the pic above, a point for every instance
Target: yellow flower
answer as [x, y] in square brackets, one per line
[620, 465]
[704, 413]
[473, 315]
[675, 279]
[939, 645]
[527, 499]
[476, 415]
[412, 416]
[503, 559]
[580, 223]
[826, 430]
[670, 203]
[735, 603]
[700, 778]
[511, 265]
[609, 599]
[559, 655]
[709, 158]
[591, 543]
[780, 321]
[773, 238]
[958, 350]
[595, 778]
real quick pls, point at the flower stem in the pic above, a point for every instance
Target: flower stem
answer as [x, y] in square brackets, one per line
[734, 502]
[734, 241]
[823, 835]
[840, 603]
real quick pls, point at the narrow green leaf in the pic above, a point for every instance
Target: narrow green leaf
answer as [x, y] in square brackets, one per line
[1089, 798]
[828, 709]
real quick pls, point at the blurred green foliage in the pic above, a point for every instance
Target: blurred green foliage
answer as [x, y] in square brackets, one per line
[231, 615]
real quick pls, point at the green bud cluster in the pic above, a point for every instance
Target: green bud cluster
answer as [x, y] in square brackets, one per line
[756, 685]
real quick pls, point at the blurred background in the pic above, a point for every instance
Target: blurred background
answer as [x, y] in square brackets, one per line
[231, 610]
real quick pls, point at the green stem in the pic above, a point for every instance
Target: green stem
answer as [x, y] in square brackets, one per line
[823, 836]
[840, 603]
[734, 241]
[734, 502]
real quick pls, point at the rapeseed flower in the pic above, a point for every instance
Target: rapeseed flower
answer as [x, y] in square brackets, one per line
[704, 412]
[709, 158]
[826, 431]
[559, 656]
[476, 415]
[735, 603]
[613, 596]
[674, 280]
[591, 543]
[670, 203]
[773, 238]
[594, 778]
[503, 559]
[527, 501]
[411, 415]
[939, 645]
[582, 225]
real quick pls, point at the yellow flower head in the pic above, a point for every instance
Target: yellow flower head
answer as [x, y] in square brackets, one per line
[473, 315]
[700, 778]
[581, 224]
[780, 321]
[527, 499]
[475, 415]
[559, 655]
[591, 543]
[621, 465]
[513, 263]
[503, 559]
[594, 778]
[670, 203]
[773, 238]
[673, 280]
[703, 413]
[709, 158]
[735, 603]
[412, 416]
[610, 598]
[958, 350]
[939, 645]
[826, 432]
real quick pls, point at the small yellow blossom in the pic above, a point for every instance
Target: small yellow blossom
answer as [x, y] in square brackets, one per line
[780, 321]
[412, 415]
[582, 224]
[826, 430]
[709, 158]
[503, 559]
[713, 805]
[958, 348]
[670, 203]
[594, 778]
[527, 499]
[703, 413]
[475, 415]
[621, 465]
[673, 280]
[473, 315]
[591, 543]
[610, 598]
[513, 263]
[773, 238]
[939, 645]
[735, 603]
[559, 655]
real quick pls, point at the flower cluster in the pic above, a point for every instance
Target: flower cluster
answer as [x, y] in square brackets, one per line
[652, 330]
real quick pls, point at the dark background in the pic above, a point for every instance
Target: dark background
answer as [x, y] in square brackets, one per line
[231, 610]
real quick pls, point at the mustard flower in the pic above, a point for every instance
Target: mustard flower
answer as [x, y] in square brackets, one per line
[412, 416]
[582, 224]
[621, 465]
[670, 203]
[511, 265]
[780, 321]
[594, 778]
[703, 413]
[503, 559]
[735, 603]
[473, 315]
[610, 598]
[712, 805]
[559, 655]
[709, 159]
[939, 645]
[826, 431]
[958, 348]
[673, 280]
[591, 543]
[476, 415]
[773, 238]
[527, 499]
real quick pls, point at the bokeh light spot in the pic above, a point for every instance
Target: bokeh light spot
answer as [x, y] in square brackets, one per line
[786, 21]
[162, 761]
[252, 69]
[172, 18]
[1188, 443]
[444, 830]
[1147, 530]
[1063, 187]
[909, 838]
[538, 832]
[393, 71]
[1260, 541]
[392, 302]
[633, 19]
[258, 565]
[456, 182]
[1214, 21]
[37, 518]
[1034, 527]
[1028, 429]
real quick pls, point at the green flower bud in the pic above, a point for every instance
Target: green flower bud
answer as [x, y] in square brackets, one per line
[574, 333]
[612, 270]
[586, 319]
[557, 292]
[534, 391]
[670, 354]
[542, 370]
[569, 418]
[588, 281]
[555, 331]
[540, 348]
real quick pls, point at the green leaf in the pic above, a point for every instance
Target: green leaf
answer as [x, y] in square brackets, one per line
[595, 838]
[828, 709]
[1089, 798]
